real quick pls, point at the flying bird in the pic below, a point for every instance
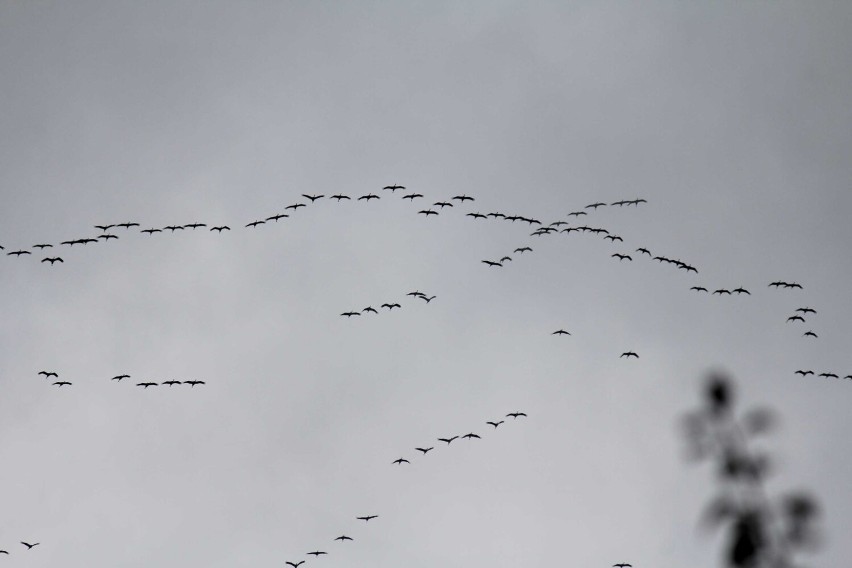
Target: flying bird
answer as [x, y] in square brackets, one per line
[53, 260]
[699, 288]
[148, 231]
[424, 450]
[146, 385]
[412, 196]
[495, 424]
[312, 197]
[193, 383]
[516, 414]
[809, 334]
[390, 306]
[577, 213]
[621, 257]
[171, 383]
[742, 291]
[276, 217]
[317, 552]
[803, 373]
[471, 435]
[370, 309]
[463, 198]
[350, 314]
[127, 225]
[108, 236]
[61, 383]
[340, 196]
[368, 197]
[595, 206]
[393, 187]
[18, 253]
[119, 377]
[41, 246]
[644, 250]
[447, 440]
[401, 461]
[795, 318]
[560, 332]
[806, 310]
[295, 564]
[254, 224]
[629, 354]
[523, 249]
[442, 204]
[194, 226]
[221, 228]
[614, 238]
[622, 564]
[367, 518]
[343, 537]
[104, 228]
[30, 546]
[721, 291]
[427, 299]
[427, 212]
[295, 206]
[828, 375]
[476, 215]
[492, 263]
[48, 374]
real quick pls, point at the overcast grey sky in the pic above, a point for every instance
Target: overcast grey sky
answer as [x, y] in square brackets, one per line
[732, 120]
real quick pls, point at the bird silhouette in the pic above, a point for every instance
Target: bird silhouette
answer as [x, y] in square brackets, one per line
[809, 334]
[221, 228]
[127, 225]
[276, 217]
[367, 518]
[146, 385]
[370, 309]
[463, 198]
[442, 204]
[312, 197]
[523, 249]
[742, 291]
[171, 383]
[18, 253]
[48, 374]
[623, 564]
[350, 314]
[492, 263]
[317, 552]
[424, 450]
[516, 414]
[621, 257]
[401, 461]
[193, 383]
[427, 212]
[828, 375]
[795, 318]
[427, 299]
[295, 564]
[42, 246]
[804, 373]
[577, 213]
[447, 440]
[254, 224]
[343, 537]
[61, 383]
[595, 206]
[613, 238]
[4, 551]
[412, 196]
[53, 260]
[390, 306]
[644, 250]
[806, 310]
[340, 196]
[393, 187]
[476, 215]
[119, 377]
[151, 231]
[194, 226]
[104, 228]
[471, 435]
[30, 546]
[560, 332]
[495, 424]
[699, 288]
[295, 206]
[629, 354]
[721, 291]
[368, 197]
[109, 236]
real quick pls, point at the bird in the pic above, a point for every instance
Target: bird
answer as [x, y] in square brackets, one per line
[312, 197]
[393, 187]
[424, 450]
[793, 285]
[795, 318]
[523, 249]
[622, 564]
[152, 231]
[809, 334]
[390, 306]
[52, 260]
[41, 246]
[194, 226]
[254, 224]
[505, 258]
[560, 332]
[595, 206]
[464, 198]
[146, 385]
[622, 257]
[848, 377]
[412, 196]
[317, 552]
[447, 440]
[171, 383]
[350, 314]
[340, 196]
[368, 197]
[295, 206]
[428, 299]
[174, 228]
[644, 250]
[742, 291]
[61, 383]
[295, 564]
[699, 288]
[806, 310]
[614, 238]
[629, 354]
[495, 424]
[48, 374]
[619, 203]
[476, 215]
[343, 537]
[18, 253]
[427, 212]
[108, 236]
[516, 414]
[471, 435]
[127, 225]
[4, 552]
[367, 518]
[803, 373]
[721, 291]
[221, 228]
[30, 546]
[370, 309]
[193, 383]
[577, 213]
[119, 377]
[828, 375]
[416, 293]
[104, 228]
[442, 204]
[276, 217]
[492, 263]
[400, 461]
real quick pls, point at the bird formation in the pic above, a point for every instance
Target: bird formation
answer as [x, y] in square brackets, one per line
[388, 306]
[118, 378]
[27, 544]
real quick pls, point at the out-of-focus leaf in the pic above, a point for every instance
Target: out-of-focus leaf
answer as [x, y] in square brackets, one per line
[747, 541]
[719, 394]
[719, 510]
[758, 421]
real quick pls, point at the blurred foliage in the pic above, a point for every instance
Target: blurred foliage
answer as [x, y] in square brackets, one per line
[762, 532]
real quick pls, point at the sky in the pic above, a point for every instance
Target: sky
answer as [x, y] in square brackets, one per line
[730, 119]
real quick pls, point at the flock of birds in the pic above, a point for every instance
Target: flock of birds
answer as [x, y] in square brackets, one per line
[145, 384]
[556, 227]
